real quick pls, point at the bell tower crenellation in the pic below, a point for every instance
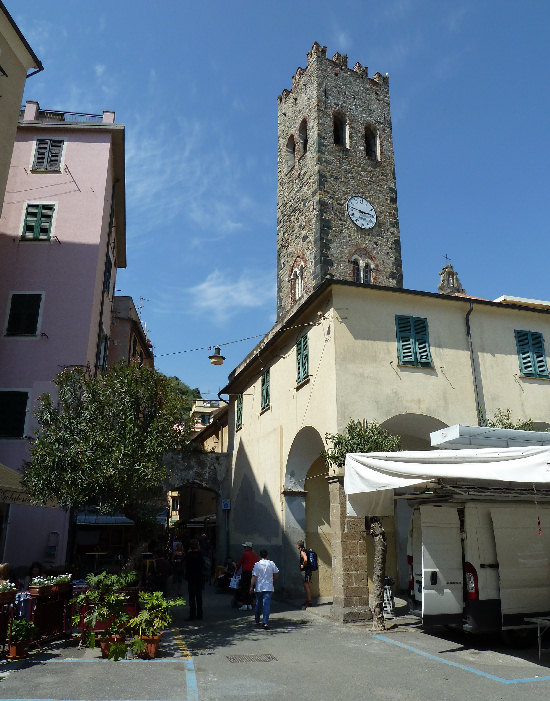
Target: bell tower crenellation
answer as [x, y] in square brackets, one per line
[337, 200]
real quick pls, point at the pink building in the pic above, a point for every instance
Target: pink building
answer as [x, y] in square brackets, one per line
[62, 237]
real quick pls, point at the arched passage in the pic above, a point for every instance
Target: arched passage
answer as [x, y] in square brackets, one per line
[414, 429]
[306, 511]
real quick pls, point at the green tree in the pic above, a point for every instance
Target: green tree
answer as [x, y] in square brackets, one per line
[364, 437]
[102, 440]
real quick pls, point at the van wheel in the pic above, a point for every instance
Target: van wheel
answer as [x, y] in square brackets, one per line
[520, 638]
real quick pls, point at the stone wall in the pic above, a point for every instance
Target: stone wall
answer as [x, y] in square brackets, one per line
[314, 185]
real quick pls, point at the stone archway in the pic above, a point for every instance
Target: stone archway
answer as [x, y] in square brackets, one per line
[300, 521]
[414, 429]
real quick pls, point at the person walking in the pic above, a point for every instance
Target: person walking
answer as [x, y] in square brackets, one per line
[264, 574]
[194, 574]
[305, 571]
[246, 565]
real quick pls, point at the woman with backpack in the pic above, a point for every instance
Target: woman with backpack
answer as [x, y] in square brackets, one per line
[306, 572]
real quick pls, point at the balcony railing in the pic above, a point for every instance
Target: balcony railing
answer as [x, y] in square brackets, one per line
[59, 116]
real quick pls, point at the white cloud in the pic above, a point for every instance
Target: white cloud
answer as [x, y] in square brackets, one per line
[343, 41]
[99, 69]
[220, 296]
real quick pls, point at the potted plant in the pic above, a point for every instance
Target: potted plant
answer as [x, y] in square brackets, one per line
[101, 613]
[41, 586]
[62, 584]
[7, 592]
[153, 618]
[22, 634]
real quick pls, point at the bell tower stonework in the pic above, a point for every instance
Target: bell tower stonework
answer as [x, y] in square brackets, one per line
[336, 192]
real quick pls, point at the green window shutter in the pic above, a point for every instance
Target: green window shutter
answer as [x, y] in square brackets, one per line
[38, 221]
[41, 154]
[47, 155]
[413, 343]
[405, 346]
[302, 359]
[539, 356]
[422, 342]
[523, 343]
[239, 412]
[265, 390]
[531, 354]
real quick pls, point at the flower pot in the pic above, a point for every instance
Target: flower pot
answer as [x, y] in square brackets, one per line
[63, 588]
[105, 644]
[152, 643]
[19, 650]
[41, 590]
[7, 597]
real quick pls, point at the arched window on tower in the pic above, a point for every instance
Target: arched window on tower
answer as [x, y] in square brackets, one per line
[290, 152]
[340, 129]
[372, 143]
[302, 135]
[297, 283]
[361, 270]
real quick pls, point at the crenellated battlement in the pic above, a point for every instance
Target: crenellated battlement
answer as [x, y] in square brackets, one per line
[339, 60]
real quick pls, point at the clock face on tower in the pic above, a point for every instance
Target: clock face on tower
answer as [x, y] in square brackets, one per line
[361, 212]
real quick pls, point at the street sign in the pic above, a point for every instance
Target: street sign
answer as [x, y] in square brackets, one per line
[226, 504]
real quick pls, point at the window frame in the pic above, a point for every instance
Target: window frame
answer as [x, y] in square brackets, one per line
[302, 359]
[413, 341]
[17, 390]
[265, 401]
[531, 353]
[22, 293]
[37, 225]
[47, 168]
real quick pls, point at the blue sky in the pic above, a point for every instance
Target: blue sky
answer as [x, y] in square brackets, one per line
[196, 85]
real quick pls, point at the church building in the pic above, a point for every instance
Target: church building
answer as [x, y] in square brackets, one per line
[350, 342]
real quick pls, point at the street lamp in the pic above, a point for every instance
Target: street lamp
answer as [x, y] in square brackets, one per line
[217, 358]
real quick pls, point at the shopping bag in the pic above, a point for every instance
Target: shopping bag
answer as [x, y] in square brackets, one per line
[235, 579]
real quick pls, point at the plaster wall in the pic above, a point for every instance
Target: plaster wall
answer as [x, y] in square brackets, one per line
[68, 270]
[15, 61]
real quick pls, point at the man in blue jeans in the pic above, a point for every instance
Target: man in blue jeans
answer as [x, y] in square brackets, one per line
[265, 572]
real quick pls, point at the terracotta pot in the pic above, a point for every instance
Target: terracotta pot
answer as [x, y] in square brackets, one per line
[43, 590]
[19, 650]
[152, 643]
[7, 597]
[105, 644]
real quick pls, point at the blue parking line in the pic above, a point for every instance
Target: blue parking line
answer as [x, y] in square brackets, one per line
[191, 681]
[461, 666]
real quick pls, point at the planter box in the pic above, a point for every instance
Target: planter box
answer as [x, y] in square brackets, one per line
[63, 588]
[7, 597]
[43, 590]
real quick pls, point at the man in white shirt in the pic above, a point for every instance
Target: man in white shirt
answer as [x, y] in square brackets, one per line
[265, 572]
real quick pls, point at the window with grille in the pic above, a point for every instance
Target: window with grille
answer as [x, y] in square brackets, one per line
[24, 314]
[102, 351]
[38, 222]
[531, 354]
[47, 155]
[413, 343]
[302, 359]
[265, 390]
[239, 412]
[13, 412]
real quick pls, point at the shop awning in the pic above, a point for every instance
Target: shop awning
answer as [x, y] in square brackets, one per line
[370, 478]
[11, 489]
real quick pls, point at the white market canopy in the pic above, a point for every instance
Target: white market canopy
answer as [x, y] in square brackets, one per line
[462, 436]
[370, 478]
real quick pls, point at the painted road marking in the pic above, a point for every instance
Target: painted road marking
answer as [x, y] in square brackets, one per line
[461, 666]
[190, 676]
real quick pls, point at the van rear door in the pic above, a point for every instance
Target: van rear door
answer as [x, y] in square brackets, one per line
[442, 575]
[524, 560]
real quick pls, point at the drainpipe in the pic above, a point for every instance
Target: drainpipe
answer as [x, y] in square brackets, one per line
[480, 410]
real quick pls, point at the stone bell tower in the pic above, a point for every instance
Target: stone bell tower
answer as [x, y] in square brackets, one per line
[336, 192]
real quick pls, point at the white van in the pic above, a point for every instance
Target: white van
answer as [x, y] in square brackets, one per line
[480, 565]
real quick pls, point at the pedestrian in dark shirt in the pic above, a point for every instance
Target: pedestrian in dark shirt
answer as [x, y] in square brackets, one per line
[194, 574]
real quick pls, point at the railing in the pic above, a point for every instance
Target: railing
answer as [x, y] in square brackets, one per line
[59, 116]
